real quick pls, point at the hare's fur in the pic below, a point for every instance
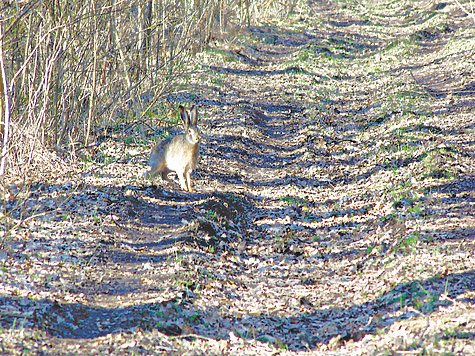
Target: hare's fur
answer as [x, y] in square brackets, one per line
[178, 154]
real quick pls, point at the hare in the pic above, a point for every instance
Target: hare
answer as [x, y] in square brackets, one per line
[178, 154]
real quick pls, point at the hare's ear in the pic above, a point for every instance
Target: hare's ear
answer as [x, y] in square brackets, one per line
[193, 115]
[184, 116]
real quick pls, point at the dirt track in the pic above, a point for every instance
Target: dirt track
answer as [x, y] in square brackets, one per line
[334, 209]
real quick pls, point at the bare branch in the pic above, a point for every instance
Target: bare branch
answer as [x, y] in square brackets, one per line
[470, 14]
[4, 108]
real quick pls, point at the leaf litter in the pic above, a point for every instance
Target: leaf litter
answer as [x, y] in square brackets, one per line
[334, 212]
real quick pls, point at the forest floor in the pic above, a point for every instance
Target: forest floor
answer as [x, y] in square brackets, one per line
[334, 211]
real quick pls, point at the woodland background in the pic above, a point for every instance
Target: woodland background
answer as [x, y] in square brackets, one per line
[333, 211]
[73, 70]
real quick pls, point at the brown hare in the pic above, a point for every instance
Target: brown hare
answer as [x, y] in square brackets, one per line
[178, 154]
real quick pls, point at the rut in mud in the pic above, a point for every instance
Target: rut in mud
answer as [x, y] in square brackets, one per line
[334, 206]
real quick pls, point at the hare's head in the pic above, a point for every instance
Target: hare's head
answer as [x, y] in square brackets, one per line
[190, 118]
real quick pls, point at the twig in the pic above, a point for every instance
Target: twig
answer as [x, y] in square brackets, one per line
[4, 108]
[192, 335]
[470, 14]
[420, 85]
[92, 105]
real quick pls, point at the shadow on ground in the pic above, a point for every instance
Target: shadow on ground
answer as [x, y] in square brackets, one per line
[79, 321]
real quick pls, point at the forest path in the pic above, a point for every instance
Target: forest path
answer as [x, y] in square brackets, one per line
[333, 212]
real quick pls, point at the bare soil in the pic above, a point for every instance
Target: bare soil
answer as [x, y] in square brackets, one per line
[333, 212]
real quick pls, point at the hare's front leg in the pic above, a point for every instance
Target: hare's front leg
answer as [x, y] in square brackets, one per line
[188, 181]
[181, 177]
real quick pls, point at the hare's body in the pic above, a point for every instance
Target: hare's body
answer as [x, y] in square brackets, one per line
[178, 154]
